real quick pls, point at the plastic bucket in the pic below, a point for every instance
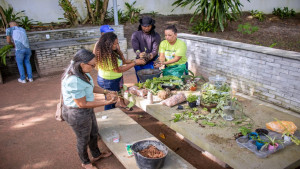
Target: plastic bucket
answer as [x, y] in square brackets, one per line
[145, 74]
[149, 163]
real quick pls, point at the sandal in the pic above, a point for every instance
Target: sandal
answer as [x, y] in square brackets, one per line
[89, 166]
[103, 155]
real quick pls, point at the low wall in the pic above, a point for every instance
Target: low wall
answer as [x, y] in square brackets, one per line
[54, 49]
[269, 74]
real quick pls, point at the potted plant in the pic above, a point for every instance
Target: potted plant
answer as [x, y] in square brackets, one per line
[192, 99]
[272, 143]
[192, 78]
[258, 142]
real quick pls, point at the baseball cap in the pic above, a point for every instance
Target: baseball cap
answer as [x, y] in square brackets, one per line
[106, 28]
[146, 21]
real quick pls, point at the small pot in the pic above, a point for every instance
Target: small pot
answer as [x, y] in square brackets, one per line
[252, 134]
[273, 147]
[192, 104]
[259, 145]
[262, 132]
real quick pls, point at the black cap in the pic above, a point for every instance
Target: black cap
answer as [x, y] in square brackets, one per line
[146, 21]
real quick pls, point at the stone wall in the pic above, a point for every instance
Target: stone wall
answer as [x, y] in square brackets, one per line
[54, 49]
[269, 74]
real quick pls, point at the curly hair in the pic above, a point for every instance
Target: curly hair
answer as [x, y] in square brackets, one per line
[106, 57]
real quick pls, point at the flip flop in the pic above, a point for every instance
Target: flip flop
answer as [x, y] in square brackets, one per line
[103, 155]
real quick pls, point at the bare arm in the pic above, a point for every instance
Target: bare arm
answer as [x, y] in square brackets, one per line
[175, 59]
[9, 41]
[82, 103]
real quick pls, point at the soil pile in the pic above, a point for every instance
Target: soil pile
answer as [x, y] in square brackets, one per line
[152, 152]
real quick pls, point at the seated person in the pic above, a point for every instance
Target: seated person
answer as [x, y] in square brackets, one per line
[146, 40]
[172, 51]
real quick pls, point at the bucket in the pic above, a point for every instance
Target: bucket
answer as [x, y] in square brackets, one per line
[149, 163]
[145, 74]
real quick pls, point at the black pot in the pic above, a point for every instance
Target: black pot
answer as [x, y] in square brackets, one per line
[149, 163]
[192, 104]
[262, 132]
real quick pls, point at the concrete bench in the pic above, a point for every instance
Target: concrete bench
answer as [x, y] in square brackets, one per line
[131, 132]
[226, 148]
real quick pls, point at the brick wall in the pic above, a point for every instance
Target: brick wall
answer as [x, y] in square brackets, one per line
[269, 74]
[54, 54]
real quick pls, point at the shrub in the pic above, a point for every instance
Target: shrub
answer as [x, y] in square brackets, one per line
[258, 14]
[284, 13]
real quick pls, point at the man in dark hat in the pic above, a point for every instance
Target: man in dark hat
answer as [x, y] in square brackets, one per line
[146, 40]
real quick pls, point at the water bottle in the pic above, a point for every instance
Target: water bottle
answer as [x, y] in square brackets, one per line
[150, 97]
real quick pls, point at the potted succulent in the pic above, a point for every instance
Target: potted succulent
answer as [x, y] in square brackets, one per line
[272, 143]
[192, 99]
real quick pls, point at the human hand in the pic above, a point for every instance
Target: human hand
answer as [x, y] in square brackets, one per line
[140, 62]
[143, 54]
[111, 94]
[112, 100]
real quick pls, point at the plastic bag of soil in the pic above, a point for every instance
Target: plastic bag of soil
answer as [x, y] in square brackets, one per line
[174, 100]
[138, 92]
[176, 70]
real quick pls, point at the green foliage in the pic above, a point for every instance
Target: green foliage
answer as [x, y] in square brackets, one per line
[203, 26]
[216, 12]
[247, 28]
[192, 98]
[244, 130]
[272, 45]
[122, 16]
[153, 13]
[284, 13]
[258, 14]
[132, 12]
[69, 12]
[26, 23]
[271, 141]
[3, 53]
[11, 16]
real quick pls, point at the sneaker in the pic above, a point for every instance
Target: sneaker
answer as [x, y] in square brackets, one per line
[21, 81]
[30, 80]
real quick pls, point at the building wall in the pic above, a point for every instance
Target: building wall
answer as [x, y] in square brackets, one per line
[269, 74]
[47, 11]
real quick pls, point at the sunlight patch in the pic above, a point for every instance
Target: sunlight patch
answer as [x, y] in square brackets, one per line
[42, 164]
[31, 121]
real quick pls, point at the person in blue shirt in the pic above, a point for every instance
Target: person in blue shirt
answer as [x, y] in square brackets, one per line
[17, 37]
[78, 90]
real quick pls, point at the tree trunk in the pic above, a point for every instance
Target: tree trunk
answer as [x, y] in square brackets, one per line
[3, 18]
[73, 13]
[90, 11]
[104, 10]
[97, 10]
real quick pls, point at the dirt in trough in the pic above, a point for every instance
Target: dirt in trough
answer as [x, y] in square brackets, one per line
[152, 152]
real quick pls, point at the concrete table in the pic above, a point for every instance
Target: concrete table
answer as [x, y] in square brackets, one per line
[131, 132]
[220, 142]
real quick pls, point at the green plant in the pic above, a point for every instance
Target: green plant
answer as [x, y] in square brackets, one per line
[192, 98]
[258, 14]
[10, 16]
[203, 26]
[216, 12]
[284, 13]
[122, 17]
[273, 44]
[244, 130]
[132, 12]
[247, 28]
[271, 141]
[153, 13]
[70, 12]
[3, 53]
[287, 132]
[26, 23]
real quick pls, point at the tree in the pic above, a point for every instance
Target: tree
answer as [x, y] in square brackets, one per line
[70, 12]
[215, 12]
[96, 11]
